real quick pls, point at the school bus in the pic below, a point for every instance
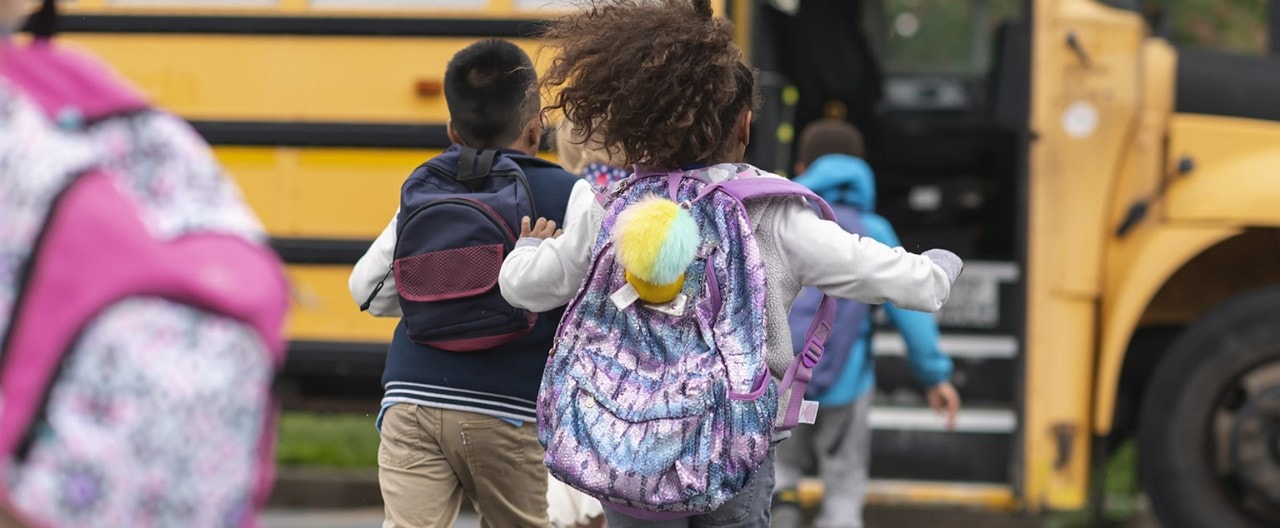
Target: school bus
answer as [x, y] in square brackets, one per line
[1113, 195]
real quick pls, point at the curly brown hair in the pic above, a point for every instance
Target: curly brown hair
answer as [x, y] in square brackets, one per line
[662, 80]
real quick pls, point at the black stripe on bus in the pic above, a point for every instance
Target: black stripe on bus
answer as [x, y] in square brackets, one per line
[1225, 84]
[332, 375]
[366, 135]
[297, 25]
[941, 456]
[320, 250]
[320, 134]
[988, 381]
[335, 357]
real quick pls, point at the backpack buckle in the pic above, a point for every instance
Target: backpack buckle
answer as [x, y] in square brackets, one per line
[813, 352]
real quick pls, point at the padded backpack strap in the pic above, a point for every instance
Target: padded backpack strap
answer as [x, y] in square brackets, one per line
[751, 188]
[474, 166]
[71, 87]
[793, 409]
[94, 223]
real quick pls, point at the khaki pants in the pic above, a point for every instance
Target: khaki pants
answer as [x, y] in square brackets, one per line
[428, 458]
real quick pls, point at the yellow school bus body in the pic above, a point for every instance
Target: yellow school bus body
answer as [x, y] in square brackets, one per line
[1089, 291]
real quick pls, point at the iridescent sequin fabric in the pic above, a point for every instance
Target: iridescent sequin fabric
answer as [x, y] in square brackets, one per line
[658, 411]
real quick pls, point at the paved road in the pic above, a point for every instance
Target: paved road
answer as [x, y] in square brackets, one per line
[372, 518]
[365, 518]
[876, 518]
[879, 518]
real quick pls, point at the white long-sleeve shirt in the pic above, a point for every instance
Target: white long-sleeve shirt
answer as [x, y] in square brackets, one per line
[372, 268]
[798, 248]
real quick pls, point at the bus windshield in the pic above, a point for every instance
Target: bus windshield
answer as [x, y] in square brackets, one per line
[933, 36]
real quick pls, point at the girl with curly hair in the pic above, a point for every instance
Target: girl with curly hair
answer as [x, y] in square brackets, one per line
[663, 82]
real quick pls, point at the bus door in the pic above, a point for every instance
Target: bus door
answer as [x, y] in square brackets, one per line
[939, 91]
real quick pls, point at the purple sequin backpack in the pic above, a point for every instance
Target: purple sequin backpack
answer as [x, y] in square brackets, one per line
[667, 411]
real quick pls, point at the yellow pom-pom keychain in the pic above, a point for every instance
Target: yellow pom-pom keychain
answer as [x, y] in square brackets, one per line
[656, 240]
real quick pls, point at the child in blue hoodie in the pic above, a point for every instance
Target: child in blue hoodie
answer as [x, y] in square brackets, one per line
[838, 444]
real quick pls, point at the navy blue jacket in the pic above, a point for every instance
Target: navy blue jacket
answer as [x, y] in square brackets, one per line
[502, 381]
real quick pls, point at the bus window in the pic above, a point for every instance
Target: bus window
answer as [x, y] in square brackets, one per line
[938, 55]
[916, 36]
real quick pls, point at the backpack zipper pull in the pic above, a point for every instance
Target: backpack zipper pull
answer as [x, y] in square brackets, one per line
[377, 288]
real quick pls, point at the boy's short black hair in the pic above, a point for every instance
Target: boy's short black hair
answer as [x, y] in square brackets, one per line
[829, 136]
[491, 90]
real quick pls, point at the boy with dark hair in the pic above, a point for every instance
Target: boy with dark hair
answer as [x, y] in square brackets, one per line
[464, 423]
[838, 444]
[490, 88]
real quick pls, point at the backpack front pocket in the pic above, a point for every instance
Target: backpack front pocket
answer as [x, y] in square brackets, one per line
[661, 461]
[637, 390]
[449, 273]
[447, 279]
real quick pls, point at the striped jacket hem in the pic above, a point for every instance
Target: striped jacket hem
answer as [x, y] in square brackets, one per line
[496, 405]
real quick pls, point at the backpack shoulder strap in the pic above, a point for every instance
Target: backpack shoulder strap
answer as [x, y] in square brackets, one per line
[793, 409]
[752, 188]
[474, 166]
[68, 86]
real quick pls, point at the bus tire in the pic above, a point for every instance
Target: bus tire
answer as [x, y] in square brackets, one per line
[1191, 385]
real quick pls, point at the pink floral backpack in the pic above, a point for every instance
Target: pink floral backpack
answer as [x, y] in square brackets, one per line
[141, 313]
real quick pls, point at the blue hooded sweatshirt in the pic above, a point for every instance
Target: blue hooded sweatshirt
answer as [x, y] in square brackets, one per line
[846, 180]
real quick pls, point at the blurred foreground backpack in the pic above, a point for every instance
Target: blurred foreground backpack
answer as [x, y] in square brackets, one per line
[657, 399]
[141, 313]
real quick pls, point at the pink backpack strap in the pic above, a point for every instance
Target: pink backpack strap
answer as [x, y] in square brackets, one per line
[69, 86]
[215, 272]
[796, 381]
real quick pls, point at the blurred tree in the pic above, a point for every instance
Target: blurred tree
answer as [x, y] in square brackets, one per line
[955, 35]
[1228, 25]
[1237, 26]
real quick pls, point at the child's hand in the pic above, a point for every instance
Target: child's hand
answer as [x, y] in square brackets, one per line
[944, 400]
[542, 230]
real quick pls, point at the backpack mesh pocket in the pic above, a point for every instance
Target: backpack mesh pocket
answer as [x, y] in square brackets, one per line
[449, 273]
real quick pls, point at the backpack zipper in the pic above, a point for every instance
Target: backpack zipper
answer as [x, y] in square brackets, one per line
[518, 175]
[478, 205]
[364, 307]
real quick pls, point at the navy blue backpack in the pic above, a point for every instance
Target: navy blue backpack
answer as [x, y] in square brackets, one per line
[459, 218]
[847, 326]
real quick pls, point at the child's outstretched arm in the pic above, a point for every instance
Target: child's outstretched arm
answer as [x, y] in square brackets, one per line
[541, 274]
[820, 253]
[920, 332]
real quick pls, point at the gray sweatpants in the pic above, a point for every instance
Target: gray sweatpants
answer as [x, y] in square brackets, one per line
[838, 446]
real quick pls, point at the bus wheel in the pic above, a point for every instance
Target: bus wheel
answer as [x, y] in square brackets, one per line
[1209, 432]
